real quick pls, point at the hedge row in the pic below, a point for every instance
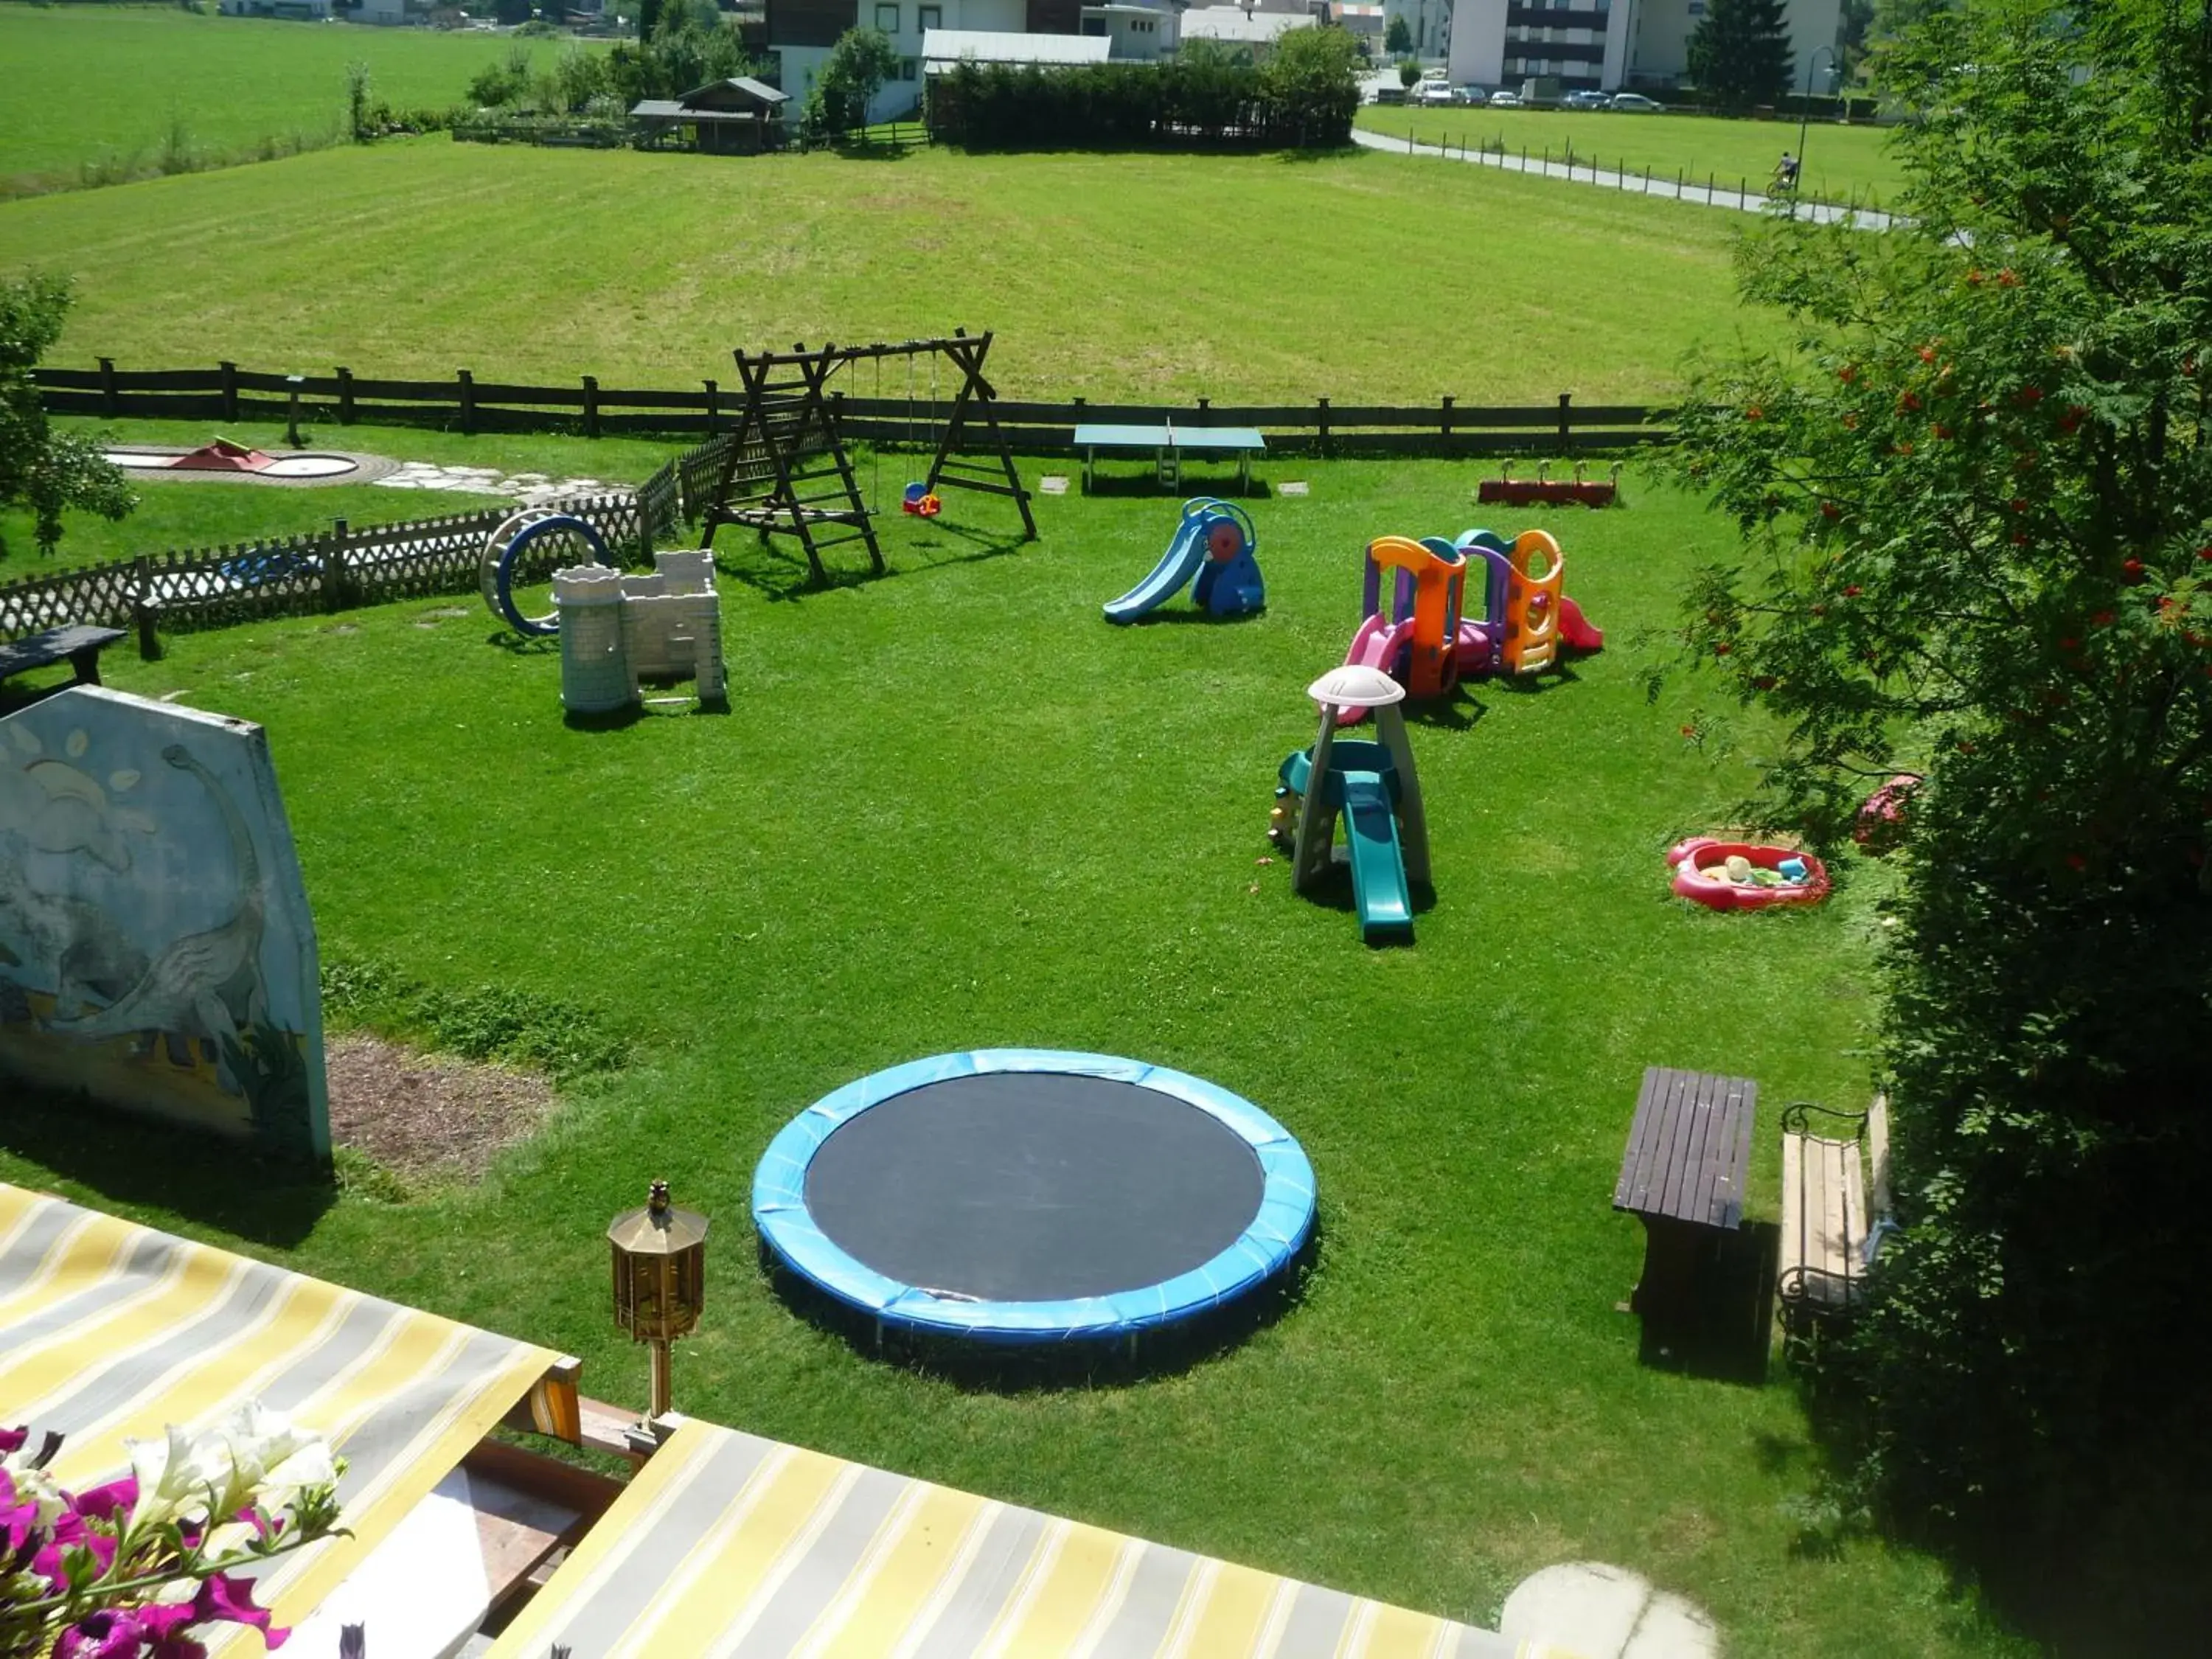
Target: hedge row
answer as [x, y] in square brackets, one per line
[1304, 96]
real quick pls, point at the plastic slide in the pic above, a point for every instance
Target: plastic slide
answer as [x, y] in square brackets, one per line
[1575, 627]
[1378, 869]
[1185, 554]
[1376, 645]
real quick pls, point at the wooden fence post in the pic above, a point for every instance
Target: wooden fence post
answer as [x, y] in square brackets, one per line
[229, 389]
[345, 397]
[337, 578]
[107, 388]
[714, 404]
[142, 608]
[468, 403]
[1323, 425]
[1567, 422]
[1446, 423]
[590, 405]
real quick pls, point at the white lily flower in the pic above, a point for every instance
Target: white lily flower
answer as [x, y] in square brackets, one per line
[311, 1465]
[163, 1471]
[259, 1440]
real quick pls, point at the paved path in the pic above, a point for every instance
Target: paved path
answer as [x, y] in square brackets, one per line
[1710, 194]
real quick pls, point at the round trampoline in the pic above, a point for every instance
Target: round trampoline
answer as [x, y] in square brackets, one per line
[1033, 1196]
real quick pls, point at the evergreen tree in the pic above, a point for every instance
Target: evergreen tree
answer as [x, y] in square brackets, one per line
[1398, 39]
[1739, 53]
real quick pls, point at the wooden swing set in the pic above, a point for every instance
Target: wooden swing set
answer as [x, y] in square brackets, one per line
[787, 441]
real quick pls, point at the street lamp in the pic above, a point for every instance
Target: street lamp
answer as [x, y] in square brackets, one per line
[1805, 114]
[660, 1278]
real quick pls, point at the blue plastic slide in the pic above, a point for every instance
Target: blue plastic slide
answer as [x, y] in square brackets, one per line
[1185, 554]
[1378, 869]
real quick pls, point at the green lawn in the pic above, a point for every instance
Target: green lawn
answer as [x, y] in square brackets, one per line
[1360, 277]
[118, 82]
[952, 808]
[1840, 162]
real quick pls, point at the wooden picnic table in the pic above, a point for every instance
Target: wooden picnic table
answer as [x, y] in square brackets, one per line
[1683, 1177]
[78, 645]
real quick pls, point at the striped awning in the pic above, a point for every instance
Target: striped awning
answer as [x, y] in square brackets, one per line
[110, 1330]
[726, 1544]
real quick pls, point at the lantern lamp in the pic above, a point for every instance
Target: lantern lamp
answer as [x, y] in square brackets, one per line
[659, 1279]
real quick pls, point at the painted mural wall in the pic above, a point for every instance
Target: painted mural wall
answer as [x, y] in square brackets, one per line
[156, 950]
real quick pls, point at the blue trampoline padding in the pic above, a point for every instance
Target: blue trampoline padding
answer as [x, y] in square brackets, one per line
[1276, 1234]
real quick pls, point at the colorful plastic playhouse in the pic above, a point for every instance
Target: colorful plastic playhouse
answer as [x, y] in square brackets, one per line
[1371, 785]
[1417, 628]
[1216, 542]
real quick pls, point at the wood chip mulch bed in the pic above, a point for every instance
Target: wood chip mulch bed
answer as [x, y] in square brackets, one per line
[429, 1118]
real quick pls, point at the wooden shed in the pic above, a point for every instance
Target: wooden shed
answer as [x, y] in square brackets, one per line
[737, 116]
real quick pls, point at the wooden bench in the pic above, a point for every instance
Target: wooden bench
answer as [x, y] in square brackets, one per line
[79, 646]
[1826, 1219]
[1683, 1177]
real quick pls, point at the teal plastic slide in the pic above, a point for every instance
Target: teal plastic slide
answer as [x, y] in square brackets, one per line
[1185, 554]
[1378, 868]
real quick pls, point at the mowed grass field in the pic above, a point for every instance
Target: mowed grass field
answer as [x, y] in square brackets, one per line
[1361, 278]
[1840, 163]
[113, 82]
[953, 808]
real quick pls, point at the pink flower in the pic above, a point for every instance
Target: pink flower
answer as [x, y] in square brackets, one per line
[108, 1503]
[111, 1633]
[227, 1597]
[11, 1440]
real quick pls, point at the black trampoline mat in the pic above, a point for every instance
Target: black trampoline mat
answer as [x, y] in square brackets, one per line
[1033, 1187]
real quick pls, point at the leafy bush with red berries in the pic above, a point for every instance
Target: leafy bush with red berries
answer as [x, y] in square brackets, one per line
[1976, 503]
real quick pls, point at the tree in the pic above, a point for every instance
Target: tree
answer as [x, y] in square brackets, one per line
[1398, 37]
[1409, 72]
[45, 471]
[1740, 52]
[855, 71]
[1853, 22]
[1310, 83]
[1976, 503]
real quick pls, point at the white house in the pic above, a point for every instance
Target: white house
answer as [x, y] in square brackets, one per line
[1134, 33]
[1233, 25]
[1606, 44]
[908, 23]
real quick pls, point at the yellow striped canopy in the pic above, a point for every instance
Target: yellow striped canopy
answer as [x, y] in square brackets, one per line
[726, 1544]
[110, 1330]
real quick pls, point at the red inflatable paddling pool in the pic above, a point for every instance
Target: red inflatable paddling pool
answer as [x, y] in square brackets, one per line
[1701, 872]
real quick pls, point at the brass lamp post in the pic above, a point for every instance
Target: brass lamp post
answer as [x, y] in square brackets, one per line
[660, 1278]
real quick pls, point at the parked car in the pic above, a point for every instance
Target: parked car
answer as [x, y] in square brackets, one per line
[1587, 99]
[1432, 94]
[1504, 99]
[1474, 95]
[1637, 104]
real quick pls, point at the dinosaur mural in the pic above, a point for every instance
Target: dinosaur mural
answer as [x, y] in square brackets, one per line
[156, 949]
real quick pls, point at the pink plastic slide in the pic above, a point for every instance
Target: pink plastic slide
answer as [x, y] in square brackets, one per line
[1376, 645]
[1575, 627]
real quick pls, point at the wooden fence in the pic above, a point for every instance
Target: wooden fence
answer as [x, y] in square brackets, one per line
[293, 575]
[229, 394]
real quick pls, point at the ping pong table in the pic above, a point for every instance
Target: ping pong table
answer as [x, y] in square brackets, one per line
[1169, 443]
